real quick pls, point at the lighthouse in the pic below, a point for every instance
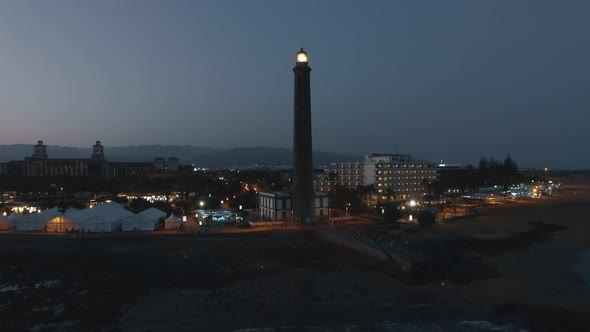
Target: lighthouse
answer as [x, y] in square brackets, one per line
[303, 194]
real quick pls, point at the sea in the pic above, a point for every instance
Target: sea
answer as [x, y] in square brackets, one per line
[463, 326]
[583, 266]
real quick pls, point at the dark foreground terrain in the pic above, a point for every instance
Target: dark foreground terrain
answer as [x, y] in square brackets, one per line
[220, 282]
[292, 280]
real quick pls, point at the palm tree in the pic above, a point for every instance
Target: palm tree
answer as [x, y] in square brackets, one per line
[433, 192]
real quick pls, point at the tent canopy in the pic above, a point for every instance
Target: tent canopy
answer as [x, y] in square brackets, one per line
[138, 222]
[153, 214]
[62, 224]
[110, 211]
[48, 214]
[15, 217]
[172, 218]
[6, 223]
[35, 222]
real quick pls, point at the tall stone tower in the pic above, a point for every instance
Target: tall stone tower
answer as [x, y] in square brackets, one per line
[303, 200]
[39, 151]
[97, 151]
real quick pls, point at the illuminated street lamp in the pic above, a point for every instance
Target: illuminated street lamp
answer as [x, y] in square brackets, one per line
[546, 169]
[201, 203]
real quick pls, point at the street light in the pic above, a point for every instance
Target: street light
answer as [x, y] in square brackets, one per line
[546, 169]
[240, 207]
[201, 203]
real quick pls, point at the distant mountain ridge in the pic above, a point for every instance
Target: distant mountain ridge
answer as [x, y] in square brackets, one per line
[198, 155]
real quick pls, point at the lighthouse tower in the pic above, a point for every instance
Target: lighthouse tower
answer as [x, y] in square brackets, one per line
[303, 195]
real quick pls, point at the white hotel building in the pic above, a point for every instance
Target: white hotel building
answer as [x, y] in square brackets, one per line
[395, 177]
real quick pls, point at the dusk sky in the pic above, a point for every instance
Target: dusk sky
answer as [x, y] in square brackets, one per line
[451, 80]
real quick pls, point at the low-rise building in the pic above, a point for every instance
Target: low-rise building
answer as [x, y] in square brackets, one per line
[277, 205]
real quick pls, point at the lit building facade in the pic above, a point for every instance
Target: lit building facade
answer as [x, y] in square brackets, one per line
[397, 177]
[394, 177]
[348, 174]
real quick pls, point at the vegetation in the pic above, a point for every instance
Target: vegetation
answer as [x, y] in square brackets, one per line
[489, 172]
[425, 218]
[492, 172]
[392, 213]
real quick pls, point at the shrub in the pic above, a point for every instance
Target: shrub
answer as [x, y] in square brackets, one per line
[425, 218]
[391, 213]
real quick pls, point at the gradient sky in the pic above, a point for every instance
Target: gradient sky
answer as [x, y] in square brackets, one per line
[451, 80]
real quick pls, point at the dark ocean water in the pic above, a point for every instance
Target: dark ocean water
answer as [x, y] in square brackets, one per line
[463, 326]
[583, 266]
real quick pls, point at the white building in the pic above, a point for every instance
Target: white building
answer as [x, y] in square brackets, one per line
[277, 205]
[395, 177]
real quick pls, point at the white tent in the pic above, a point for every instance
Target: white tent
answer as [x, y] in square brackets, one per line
[154, 214]
[35, 222]
[97, 223]
[102, 218]
[138, 222]
[172, 222]
[8, 222]
[49, 213]
[15, 217]
[62, 224]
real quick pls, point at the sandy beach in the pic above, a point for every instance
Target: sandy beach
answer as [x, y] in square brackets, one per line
[544, 273]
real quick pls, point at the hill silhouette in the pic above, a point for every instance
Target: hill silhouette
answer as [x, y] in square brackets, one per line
[188, 154]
